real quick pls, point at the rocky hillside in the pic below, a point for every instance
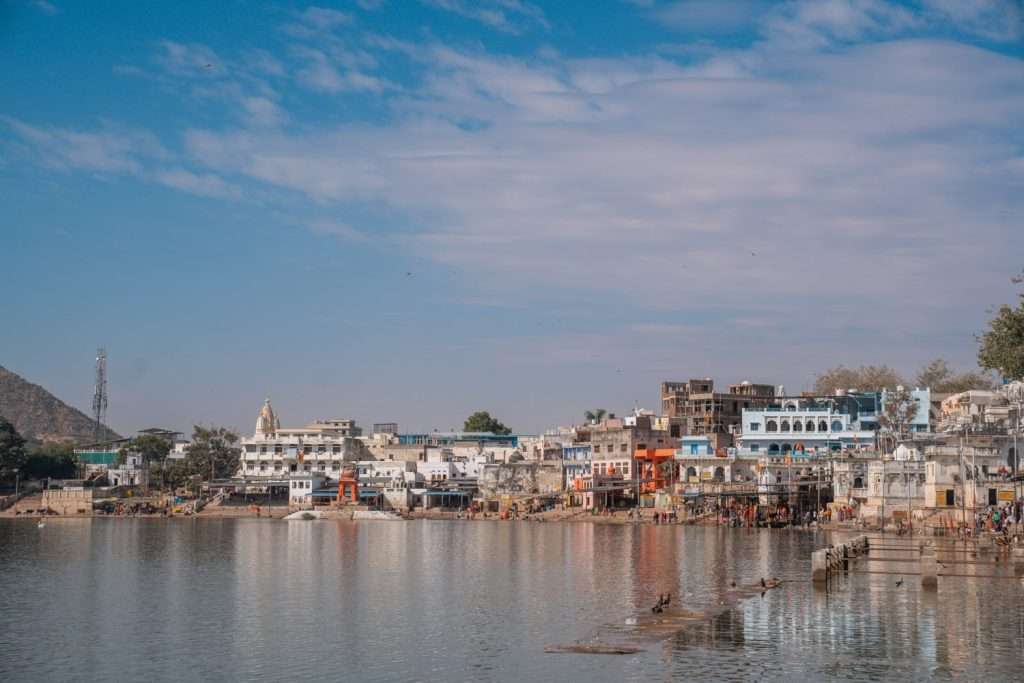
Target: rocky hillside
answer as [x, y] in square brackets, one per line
[38, 415]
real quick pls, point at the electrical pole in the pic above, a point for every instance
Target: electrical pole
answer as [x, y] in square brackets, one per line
[883, 493]
[906, 477]
[963, 489]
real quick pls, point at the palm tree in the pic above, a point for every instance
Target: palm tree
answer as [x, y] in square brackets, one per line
[595, 416]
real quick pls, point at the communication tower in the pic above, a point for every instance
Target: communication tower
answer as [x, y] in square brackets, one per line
[99, 397]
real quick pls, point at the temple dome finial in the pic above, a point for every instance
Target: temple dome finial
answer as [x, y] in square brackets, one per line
[267, 422]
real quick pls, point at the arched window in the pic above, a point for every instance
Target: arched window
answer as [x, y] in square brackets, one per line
[785, 426]
[858, 483]
[823, 426]
[791, 408]
[786, 448]
[691, 472]
[719, 474]
[799, 447]
[771, 426]
[837, 426]
[798, 426]
[810, 425]
[778, 478]
[773, 448]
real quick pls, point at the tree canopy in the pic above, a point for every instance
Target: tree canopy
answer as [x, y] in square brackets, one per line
[864, 378]
[51, 460]
[481, 421]
[1002, 346]
[12, 450]
[936, 375]
[595, 416]
[213, 451]
[940, 378]
[152, 448]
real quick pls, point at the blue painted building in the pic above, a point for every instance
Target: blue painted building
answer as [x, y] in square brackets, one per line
[577, 461]
[458, 438]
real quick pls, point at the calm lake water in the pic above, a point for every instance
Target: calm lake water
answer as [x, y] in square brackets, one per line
[187, 599]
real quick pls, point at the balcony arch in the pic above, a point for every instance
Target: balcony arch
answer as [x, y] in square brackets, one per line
[810, 426]
[784, 427]
[823, 426]
[787, 448]
[773, 449]
[771, 426]
[798, 426]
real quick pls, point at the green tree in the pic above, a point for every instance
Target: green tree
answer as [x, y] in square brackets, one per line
[864, 378]
[481, 421]
[940, 378]
[1002, 346]
[51, 460]
[152, 448]
[12, 450]
[213, 451]
[595, 416]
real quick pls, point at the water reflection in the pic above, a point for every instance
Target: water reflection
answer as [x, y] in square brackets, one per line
[267, 600]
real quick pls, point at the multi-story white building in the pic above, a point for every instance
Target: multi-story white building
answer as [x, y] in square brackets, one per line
[275, 452]
[801, 426]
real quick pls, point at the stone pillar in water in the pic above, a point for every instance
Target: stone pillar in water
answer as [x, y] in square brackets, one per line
[819, 567]
[929, 570]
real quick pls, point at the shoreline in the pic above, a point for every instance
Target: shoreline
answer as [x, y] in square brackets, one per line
[278, 514]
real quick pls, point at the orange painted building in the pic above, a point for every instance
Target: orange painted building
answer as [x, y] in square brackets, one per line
[654, 468]
[348, 487]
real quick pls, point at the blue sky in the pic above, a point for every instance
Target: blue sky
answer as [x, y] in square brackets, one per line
[412, 210]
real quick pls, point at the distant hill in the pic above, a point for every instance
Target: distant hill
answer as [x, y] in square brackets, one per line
[38, 415]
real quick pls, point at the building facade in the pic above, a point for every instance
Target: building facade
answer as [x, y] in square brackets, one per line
[274, 452]
[704, 411]
[802, 425]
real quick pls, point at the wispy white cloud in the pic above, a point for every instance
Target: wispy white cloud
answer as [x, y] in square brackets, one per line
[510, 16]
[203, 184]
[818, 23]
[262, 112]
[263, 62]
[999, 20]
[45, 7]
[709, 17]
[324, 18]
[182, 59]
[328, 73]
[598, 174]
[338, 229]
[835, 161]
[110, 149]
